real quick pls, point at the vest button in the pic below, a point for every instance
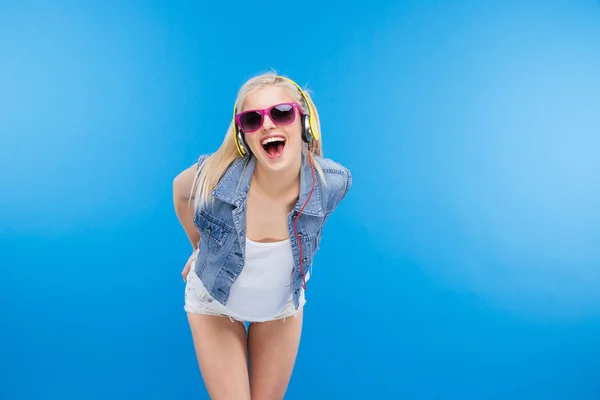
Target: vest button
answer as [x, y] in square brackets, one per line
[207, 231]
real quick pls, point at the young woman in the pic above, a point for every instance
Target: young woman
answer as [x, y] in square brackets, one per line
[259, 205]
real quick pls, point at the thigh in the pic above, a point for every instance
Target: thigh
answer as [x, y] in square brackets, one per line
[272, 347]
[221, 347]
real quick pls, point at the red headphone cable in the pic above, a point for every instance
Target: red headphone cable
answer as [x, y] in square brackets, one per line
[300, 213]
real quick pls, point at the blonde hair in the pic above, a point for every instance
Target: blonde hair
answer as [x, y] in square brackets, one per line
[213, 168]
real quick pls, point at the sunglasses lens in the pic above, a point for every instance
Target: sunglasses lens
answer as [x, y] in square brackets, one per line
[250, 121]
[283, 114]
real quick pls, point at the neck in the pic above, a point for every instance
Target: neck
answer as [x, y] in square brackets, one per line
[277, 184]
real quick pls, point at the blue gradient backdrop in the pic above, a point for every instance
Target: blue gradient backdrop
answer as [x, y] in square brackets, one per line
[464, 264]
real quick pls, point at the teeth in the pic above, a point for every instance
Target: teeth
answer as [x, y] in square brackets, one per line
[272, 139]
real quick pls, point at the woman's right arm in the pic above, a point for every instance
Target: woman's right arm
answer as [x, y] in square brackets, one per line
[184, 205]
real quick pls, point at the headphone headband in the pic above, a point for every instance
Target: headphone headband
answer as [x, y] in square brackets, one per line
[308, 133]
[311, 114]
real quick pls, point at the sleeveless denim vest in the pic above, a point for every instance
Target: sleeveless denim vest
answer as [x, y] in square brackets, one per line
[222, 222]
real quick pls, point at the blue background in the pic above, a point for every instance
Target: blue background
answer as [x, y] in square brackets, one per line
[464, 263]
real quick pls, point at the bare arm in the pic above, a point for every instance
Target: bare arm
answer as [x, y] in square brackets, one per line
[184, 205]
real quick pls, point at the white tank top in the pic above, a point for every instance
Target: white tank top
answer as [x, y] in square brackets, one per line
[264, 286]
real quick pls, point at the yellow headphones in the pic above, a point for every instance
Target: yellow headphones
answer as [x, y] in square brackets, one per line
[308, 121]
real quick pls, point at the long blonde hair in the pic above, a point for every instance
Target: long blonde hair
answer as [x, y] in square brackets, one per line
[213, 168]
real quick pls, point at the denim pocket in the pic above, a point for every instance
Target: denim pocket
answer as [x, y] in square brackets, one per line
[211, 228]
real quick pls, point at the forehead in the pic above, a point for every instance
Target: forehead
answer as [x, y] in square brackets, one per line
[266, 96]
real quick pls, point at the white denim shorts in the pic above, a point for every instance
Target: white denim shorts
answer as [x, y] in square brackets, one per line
[199, 301]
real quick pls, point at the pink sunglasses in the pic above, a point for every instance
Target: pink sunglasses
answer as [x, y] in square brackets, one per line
[281, 114]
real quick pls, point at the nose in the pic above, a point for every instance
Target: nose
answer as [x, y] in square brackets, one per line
[268, 123]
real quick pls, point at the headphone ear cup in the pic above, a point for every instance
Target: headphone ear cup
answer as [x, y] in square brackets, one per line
[306, 131]
[245, 144]
[241, 140]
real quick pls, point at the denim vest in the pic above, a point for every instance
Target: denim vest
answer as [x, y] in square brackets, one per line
[222, 223]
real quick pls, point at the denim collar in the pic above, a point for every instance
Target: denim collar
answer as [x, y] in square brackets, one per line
[233, 187]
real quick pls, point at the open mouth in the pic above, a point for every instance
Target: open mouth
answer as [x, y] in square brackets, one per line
[273, 146]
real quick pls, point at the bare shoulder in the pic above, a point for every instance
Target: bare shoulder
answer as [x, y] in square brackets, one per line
[183, 182]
